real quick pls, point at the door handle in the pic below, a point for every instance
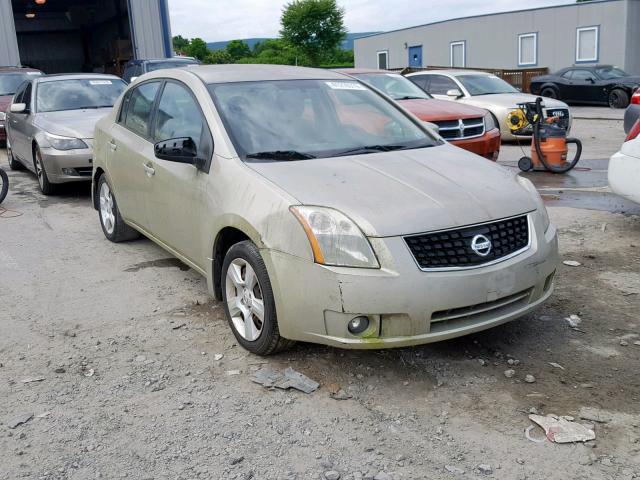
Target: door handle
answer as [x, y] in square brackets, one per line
[149, 170]
[113, 146]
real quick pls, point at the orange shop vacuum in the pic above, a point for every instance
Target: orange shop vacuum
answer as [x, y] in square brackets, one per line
[548, 142]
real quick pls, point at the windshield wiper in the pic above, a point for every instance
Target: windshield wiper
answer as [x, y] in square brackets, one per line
[371, 148]
[281, 155]
[409, 97]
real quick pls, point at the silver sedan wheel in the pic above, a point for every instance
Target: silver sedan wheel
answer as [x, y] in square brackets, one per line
[244, 299]
[107, 213]
[39, 169]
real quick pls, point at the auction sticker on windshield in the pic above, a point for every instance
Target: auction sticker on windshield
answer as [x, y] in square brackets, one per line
[100, 82]
[345, 86]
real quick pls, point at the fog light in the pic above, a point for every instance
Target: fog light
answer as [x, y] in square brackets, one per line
[358, 325]
[69, 171]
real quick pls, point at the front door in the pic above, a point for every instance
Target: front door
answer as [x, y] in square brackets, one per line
[415, 56]
[585, 87]
[177, 202]
[18, 124]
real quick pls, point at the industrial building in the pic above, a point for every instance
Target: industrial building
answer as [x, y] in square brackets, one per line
[599, 31]
[58, 36]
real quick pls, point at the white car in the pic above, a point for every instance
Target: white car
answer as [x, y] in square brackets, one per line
[624, 168]
[484, 90]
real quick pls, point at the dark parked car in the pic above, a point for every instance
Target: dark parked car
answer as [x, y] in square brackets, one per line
[600, 84]
[134, 68]
[632, 115]
[10, 79]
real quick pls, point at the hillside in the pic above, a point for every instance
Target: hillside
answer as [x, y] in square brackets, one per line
[346, 45]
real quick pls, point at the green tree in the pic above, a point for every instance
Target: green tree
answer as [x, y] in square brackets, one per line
[198, 49]
[180, 44]
[238, 49]
[219, 57]
[315, 27]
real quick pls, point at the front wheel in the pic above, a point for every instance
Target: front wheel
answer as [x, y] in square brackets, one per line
[46, 187]
[113, 225]
[248, 300]
[4, 185]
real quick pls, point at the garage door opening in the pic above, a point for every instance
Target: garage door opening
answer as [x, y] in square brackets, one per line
[66, 36]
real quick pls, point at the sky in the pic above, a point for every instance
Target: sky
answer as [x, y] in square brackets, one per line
[216, 20]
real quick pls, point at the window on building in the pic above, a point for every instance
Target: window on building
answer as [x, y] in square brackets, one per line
[458, 54]
[527, 49]
[587, 39]
[383, 60]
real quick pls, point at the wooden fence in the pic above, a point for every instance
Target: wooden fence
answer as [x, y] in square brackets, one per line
[519, 78]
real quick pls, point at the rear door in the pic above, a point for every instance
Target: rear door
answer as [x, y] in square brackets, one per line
[177, 200]
[131, 152]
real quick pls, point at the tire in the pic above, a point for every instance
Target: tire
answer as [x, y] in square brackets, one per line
[549, 92]
[4, 185]
[111, 221]
[46, 187]
[13, 163]
[525, 164]
[618, 98]
[248, 297]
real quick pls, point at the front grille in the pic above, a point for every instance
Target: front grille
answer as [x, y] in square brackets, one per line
[84, 171]
[461, 129]
[452, 249]
[563, 113]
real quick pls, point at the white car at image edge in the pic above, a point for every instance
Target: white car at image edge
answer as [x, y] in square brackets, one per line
[624, 167]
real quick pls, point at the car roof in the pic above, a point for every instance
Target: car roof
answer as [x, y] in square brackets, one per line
[360, 71]
[451, 72]
[160, 60]
[76, 76]
[250, 73]
[18, 70]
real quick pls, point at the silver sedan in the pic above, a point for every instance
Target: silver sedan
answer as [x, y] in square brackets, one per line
[50, 125]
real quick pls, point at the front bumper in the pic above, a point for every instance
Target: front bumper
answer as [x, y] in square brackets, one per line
[405, 305]
[64, 166]
[624, 176]
[487, 145]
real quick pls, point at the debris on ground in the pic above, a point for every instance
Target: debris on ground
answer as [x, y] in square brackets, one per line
[509, 373]
[19, 420]
[338, 393]
[484, 469]
[454, 470]
[594, 415]
[529, 378]
[288, 378]
[331, 475]
[218, 356]
[572, 263]
[573, 320]
[556, 365]
[177, 327]
[527, 434]
[89, 372]
[562, 429]
[33, 379]
[231, 373]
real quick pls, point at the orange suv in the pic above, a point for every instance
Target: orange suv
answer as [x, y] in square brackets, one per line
[471, 128]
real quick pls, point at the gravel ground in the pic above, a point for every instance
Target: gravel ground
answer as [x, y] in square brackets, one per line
[125, 368]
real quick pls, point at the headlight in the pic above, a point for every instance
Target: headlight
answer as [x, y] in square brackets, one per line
[541, 209]
[335, 239]
[64, 143]
[489, 122]
[3, 116]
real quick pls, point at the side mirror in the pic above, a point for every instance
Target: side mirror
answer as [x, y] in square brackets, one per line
[591, 80]
[18, 108]
[180, 150]
[454, 92]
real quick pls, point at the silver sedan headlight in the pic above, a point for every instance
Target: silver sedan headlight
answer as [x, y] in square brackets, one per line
[3, 116]
[335, 239]
[541, 209]
[65, 143]
[489, 122]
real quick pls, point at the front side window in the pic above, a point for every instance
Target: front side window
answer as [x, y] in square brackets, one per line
[394, 85]
[440, 85]
[609, 73]
[383, 60]
[178, 115]
[9, 82]
[78, 94]
[303, 119]
[458, 54]
[527, 49]
[138, 106]
[587, 44]
[485, 85]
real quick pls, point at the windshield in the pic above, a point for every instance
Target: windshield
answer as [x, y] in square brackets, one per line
[302, 119]
[9, 82]
[608, 73]
[394, 85]
[153, 66]
[78, 94]
[485, 85]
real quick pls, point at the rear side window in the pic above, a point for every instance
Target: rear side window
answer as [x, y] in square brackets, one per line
[440, 85]
[582, 75]
[137, 108]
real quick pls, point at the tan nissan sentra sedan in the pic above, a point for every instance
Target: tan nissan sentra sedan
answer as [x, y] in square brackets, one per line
[318, 210]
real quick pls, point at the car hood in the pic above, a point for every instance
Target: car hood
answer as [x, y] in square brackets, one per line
[5, 101]
[433, 110]
[630, 80]
[510, 100]
[404, 192]
[71, 123]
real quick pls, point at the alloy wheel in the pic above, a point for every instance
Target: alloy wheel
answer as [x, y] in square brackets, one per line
[39, 168]
[107, 208]
[244, 299]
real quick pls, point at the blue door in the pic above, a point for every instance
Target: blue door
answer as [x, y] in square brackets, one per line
[415, 56]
